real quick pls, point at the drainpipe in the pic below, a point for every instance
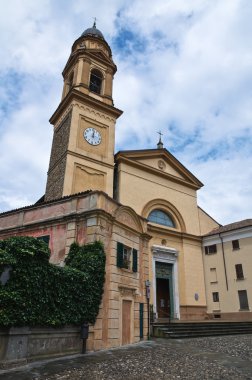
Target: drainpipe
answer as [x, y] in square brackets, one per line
[224, 261]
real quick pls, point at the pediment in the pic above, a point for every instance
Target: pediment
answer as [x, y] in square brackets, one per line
[100, 55]
[127, 216]
[162, 163]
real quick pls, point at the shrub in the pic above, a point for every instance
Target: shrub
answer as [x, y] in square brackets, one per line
[40, 293]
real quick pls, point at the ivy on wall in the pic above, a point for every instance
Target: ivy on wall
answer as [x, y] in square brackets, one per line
[42, 294]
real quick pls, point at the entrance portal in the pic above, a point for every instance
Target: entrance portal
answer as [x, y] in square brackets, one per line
[164, 290]
[165, 282]
[163, 298]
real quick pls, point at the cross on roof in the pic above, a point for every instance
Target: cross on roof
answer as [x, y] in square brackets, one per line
[95, 19]
[160, 145]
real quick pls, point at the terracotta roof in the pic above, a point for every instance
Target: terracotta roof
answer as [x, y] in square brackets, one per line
[41, 202]
[232, 226]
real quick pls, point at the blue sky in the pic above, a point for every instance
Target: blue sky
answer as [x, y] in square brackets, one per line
[184, 67]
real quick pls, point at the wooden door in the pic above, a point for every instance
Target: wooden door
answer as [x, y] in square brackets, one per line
[163, 298]
[126, 322]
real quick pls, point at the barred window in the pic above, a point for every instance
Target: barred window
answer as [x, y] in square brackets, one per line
[210, 249]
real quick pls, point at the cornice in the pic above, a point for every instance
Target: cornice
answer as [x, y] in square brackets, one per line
[87, 100]
[94, 39]
[90, 159]
[91, 110]
[75, 216]
[90, 55]
[156, 249]
[236, 234]
[166, 231]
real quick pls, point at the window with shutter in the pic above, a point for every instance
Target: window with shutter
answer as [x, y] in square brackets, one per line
[134, 266]
[119, 255]
[141, 320]
[127, 257]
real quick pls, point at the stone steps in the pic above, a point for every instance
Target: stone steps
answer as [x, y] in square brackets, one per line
[200, 329]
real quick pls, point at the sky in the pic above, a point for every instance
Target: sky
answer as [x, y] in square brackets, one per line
[184, 68]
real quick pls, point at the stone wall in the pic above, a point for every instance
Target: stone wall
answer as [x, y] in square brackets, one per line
[55, 181]
[57, 165]
[20, 345]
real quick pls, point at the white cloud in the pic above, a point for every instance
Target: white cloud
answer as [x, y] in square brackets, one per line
[187, 71]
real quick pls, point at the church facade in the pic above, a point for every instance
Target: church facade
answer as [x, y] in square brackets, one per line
[142, 204]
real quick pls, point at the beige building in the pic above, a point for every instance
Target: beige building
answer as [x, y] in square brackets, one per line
[142, 204]
[228, 275]
[151, 182]
[164, 192]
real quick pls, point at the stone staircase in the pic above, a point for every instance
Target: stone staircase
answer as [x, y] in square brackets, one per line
[181, 330]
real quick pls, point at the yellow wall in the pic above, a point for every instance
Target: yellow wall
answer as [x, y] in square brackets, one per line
[138, 188]
[90, 167]
[228, 285]
[207, 223]
[145, 186]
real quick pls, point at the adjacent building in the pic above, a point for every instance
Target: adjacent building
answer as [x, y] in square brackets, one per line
[228, 275]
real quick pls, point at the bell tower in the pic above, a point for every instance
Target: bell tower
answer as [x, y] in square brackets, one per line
[82, 154]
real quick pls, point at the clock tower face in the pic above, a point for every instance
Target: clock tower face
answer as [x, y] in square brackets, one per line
[92, 136]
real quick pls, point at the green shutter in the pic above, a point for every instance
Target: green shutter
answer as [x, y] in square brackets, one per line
[134, 266]
[119, 262]
[141, 310]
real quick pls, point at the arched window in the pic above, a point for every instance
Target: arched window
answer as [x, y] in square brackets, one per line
[160, 217]
[95, 84]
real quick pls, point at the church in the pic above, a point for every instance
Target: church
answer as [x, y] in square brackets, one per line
[142, 204]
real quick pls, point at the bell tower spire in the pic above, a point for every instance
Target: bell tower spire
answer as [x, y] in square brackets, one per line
[82, 155]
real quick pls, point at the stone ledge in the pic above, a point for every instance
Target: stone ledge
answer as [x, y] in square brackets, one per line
[20, 345]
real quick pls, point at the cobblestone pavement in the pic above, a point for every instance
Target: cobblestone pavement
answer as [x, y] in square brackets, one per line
[228, 357]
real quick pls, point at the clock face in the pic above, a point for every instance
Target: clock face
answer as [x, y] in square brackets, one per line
[92, 136]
